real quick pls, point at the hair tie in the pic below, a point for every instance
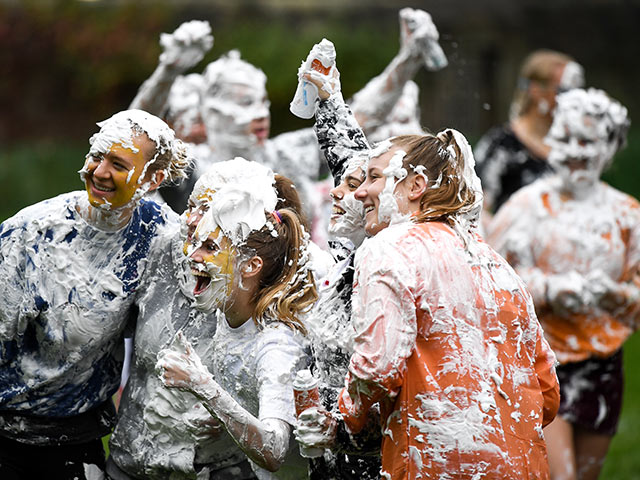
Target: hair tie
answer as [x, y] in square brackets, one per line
[277, 216]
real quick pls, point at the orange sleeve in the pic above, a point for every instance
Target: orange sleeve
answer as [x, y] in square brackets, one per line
[384, 316]
[545, 366]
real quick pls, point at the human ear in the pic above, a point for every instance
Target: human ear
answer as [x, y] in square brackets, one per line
[252, 267]
[156, 179]
[417, 187]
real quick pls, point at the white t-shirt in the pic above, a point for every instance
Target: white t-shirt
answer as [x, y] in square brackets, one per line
[256, 366]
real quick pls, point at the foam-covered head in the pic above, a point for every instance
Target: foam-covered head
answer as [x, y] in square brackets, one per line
[347, 213]
[228, 203]
[236, 194]
[145, 143]
[449, 191]
[235, 96]
[183, 108]
[588, 129]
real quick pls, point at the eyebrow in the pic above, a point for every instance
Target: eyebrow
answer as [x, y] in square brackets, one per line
[115, 156]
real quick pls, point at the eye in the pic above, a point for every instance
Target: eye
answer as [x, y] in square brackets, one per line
[211, 246]
[353, 186]
[121, 166]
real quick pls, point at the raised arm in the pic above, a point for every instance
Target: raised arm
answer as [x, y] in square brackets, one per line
[339, 134]
[418, 47]
[181, 50]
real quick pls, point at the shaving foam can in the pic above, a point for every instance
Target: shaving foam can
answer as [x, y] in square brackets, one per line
[321, 58]
[306, 395]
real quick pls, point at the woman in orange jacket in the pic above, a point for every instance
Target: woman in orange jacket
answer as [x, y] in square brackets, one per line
[447, 340]
[575, 242]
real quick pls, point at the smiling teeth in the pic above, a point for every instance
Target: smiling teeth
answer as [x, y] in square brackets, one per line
[369, 209]
[103, 189]
[198, 273]
[337, 210]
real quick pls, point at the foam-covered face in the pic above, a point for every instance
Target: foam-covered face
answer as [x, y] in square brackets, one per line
[113, 176]
[580, 149]
[238, 114]
[579, 159]
[382, 204]
[347, 214]
[212, 262]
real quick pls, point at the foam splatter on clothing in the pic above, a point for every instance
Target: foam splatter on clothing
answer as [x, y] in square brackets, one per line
[330, 329]
[591, 244]
[164, 432]
[68, 295]
[450, 346]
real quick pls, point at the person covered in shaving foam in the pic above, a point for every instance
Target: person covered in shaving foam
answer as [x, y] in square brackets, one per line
[447, 340]
[175, 97]
[72, 265]
[346, 150]
[162, 432]
[515, 154]
[249, 262]
[576, 242]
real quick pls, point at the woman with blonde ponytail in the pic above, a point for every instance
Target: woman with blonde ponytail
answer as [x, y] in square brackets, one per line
[250, 265]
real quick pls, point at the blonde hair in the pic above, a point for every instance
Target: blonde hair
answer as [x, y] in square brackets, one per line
[447, 192]
[287, 287]
[170, 155]
[539, 66]
[174, 161]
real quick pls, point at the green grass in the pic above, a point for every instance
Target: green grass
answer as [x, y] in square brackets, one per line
[623, 461]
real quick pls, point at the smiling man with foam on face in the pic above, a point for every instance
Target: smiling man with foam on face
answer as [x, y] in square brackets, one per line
[72, 265]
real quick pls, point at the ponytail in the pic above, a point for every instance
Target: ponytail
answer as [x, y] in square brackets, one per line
[287, 287]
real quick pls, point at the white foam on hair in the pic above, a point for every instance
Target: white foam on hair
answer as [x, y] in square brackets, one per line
[238, 193]
[587, 125]
[122, 128]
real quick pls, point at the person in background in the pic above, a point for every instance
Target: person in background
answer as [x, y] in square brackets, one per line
[575, 241]
[235, 108]
[71, 267]
[175, 97]
[513, 155]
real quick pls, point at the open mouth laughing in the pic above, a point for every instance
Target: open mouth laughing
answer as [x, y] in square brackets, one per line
[203, 280]
[337, 210]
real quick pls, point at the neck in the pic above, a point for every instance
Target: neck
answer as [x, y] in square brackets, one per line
[103, 219]
[240, 309]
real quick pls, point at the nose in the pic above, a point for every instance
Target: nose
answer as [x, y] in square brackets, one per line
[335, 193]
[102, 170]
[196, 255]
[361, 192]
